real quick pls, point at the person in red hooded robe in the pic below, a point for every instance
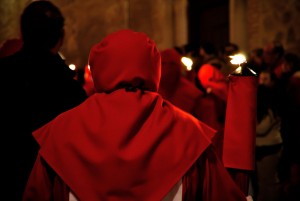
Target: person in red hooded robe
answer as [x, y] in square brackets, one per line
[184, 94]
[125, 142]
[175, 87]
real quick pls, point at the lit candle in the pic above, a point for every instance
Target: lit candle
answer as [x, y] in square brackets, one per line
[240, 122]
[187, 62]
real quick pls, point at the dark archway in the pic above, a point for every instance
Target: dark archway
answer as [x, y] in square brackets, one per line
[208, 21]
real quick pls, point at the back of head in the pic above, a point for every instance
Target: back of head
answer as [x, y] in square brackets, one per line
[41, 25]
[277, 48]
[230, 49]
[272, 53]
[291, 63]
[171, 62]
[209, 48]
[125, 59]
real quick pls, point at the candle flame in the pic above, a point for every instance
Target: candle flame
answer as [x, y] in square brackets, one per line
[187, 62]
[72, 66]
[237, 59]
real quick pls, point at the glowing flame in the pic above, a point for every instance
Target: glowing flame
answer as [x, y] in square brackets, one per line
[237, 59]
[72, 66]
[238, 69]
[187, 62]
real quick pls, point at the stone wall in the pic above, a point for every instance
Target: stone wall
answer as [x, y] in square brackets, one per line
[274, 20]
[165, 21]
[87, 22]
[10, 11]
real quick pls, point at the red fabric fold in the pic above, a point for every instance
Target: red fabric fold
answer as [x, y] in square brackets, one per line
[123, 146]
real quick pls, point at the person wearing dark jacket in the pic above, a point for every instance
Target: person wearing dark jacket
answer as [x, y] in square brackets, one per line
[36, 86]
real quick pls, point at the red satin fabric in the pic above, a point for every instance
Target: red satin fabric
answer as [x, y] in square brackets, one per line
[240, 124]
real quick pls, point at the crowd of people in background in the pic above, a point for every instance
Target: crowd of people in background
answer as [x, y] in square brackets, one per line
[38, 94]
[276, 177]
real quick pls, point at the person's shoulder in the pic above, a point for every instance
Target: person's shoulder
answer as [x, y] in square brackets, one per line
[11, 66]
[191, 87]
[10, 58]
[180, 114]
[191, 123]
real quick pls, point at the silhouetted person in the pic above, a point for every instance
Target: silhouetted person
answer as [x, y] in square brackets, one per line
[288, 90]
[268, 144]
[209, 74]
[256, 60]
[273, 53]
[36, 86]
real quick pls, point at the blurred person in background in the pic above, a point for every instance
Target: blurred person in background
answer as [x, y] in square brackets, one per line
[273, 53]
[181, 92]
[288, 90]
[209, 74]
[255, 61]
[267, 78]
[268, 144]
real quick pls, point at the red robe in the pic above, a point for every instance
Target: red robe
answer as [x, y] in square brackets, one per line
[181, 92]
[212, 78]
[125, 142]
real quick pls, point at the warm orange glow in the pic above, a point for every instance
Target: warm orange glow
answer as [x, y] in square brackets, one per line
[238, 59]
[187, 62]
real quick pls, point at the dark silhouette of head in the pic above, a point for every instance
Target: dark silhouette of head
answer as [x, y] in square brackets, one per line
[291, 63]
[230, 49]
[209, 48]
[42, 25]
[272, 53]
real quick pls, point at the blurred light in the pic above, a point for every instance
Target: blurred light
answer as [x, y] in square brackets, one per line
[187, 62]
[238, 69]
[237, 59]
[72, 66]
[252, 71]
[61, 56]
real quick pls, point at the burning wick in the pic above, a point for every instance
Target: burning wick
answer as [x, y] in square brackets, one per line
[187, 62]
[238, 59]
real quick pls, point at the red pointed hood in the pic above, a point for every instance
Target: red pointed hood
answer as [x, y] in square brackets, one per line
[117, 56]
